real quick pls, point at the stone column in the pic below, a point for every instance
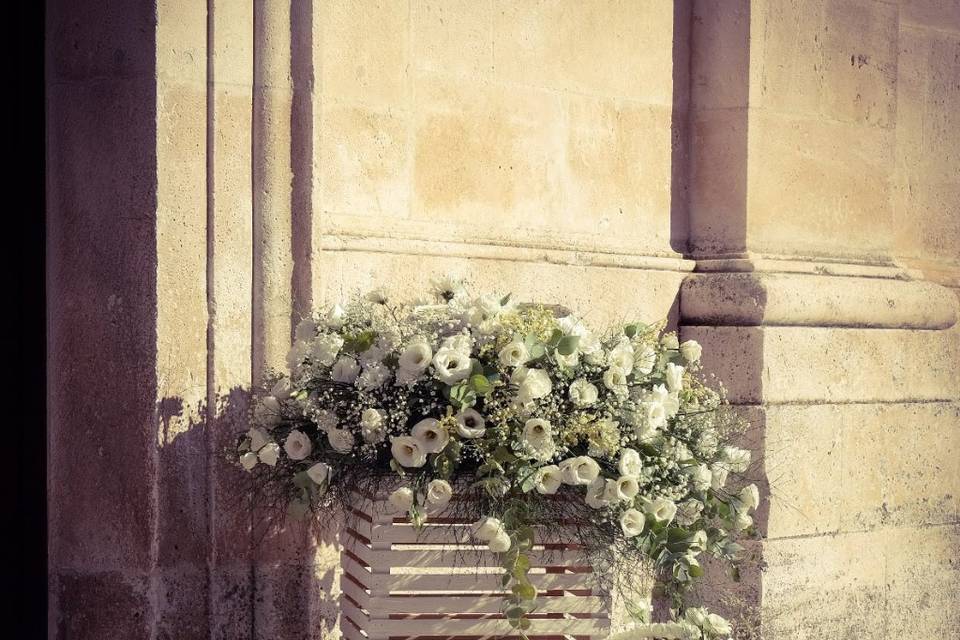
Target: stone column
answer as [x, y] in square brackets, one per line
[843, 360]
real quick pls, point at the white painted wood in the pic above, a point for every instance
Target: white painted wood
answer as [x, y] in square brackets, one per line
[399, 582]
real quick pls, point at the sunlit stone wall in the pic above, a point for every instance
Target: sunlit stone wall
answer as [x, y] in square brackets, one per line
[779, 179]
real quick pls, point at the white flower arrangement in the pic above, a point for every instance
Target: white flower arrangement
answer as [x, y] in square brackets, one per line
[529, 418]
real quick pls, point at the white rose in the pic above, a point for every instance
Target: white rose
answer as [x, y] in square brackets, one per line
[320, 473]
[533, 383]
[371, 426]
[407, 451]
[451, 365]
[749, 497]
[514, 354]
[486, 528]
[615, 379]
[691, 350]
[248, 460]
[297, 353]
[373, 376]
[499, 543]
[439, 493]
[297, 445]
[738, 460]
[346, 370]
[632, 523]
[267, 412]
[626, 488]
[470, 424]
[282, 389]
[644, 360]
[415, 357]
[306, 330]
[700, 477]
[326, 348]
[622, 356]
[582, 392]
[548, 479]
[341, 440]
[582, 470]
[269, 454]
[431, 436]
[718, 474]
[674, 375]
[662, 509]
[258, 438]
[630, 464]
[401, 499]
[334, 317]
[669, 341]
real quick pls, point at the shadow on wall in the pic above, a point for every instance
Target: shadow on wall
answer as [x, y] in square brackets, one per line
[231, 565]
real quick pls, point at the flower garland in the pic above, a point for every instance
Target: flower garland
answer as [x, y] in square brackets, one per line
[536, 420]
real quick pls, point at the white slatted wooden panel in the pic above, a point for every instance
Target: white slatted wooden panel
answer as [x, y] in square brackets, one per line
[401, 583]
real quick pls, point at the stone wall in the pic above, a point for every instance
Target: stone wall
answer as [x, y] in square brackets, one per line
[779, 179]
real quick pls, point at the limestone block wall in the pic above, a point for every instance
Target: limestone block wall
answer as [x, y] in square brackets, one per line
[778, 179]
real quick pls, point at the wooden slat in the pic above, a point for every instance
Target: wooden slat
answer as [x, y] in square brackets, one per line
[482, 626]
[406, 556]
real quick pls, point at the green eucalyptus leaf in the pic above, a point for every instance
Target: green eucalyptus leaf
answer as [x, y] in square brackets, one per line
[480, 385]
[567, 345]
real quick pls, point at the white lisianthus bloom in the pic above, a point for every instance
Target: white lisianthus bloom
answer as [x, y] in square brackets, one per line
[297, 353]
[406, 450]
[439, 493]
[297, 445]
[718, 472]
[689, 512]
[615, 379]
[269, 454]
[662, 509]
[644, 360]
[632, 523]
[738, 460]
[596, 494]
[622, 356]
[655, 416]
[248, 460]
[326, 348]
[486, 528]
[462, 342]
[533, 383]
[346, 370]
[571, 361]
[583, 393]
[629, 464]
[499, 543]
[548, 479]
[581, 471]
[482, 311]
[670, 401]
[413, 361]
[258, 438]
[470, 424]
[717, 625]
[696, 615]
[537, 439]
[451, 365]
[282, 389]
[373, 377]
[627, 488]
[669, 341]
[514, 354]
[749, 497]
[371, 426]
[306, 330]
[589, 344]
[340, 440]
[401, 499]
[267, 412]
[700, 477]
[334, 317]
[674, 376]
[320, 473]
[741, 521]
[431, 436]
[691, 350]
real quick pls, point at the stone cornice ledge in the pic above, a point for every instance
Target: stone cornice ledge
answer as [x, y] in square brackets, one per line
[866, 300]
